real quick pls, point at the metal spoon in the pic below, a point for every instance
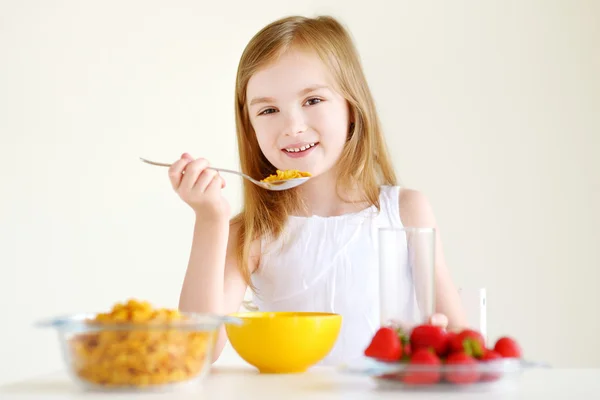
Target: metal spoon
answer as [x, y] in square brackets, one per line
[273, 185]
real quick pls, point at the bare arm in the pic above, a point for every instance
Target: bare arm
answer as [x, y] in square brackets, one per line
[213, 282]
[415, 211]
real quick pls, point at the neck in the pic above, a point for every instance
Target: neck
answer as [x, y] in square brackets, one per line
[322, 197]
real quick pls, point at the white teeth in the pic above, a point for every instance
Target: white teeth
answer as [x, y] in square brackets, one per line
[295, 149]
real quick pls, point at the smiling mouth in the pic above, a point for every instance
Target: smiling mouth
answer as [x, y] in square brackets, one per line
[300, 149]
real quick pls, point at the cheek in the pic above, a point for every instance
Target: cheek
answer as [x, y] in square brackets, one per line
[265, 136]
[333, 126]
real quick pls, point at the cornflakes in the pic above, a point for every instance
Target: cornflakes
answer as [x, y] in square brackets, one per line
[287, 174]
[138, 355]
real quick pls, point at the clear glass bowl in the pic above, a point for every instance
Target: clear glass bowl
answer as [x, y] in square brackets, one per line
[502, 373]
[137, 356]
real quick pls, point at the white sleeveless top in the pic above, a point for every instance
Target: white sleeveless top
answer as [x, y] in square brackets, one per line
[330, 264]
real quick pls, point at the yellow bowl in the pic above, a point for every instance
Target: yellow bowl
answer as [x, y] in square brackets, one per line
[284, 342]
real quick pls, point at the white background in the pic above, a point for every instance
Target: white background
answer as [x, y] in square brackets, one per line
[492, 108]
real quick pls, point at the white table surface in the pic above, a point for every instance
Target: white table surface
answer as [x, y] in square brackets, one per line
[235, 382]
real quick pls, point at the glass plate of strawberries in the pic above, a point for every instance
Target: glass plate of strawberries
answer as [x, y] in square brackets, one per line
[429, 356]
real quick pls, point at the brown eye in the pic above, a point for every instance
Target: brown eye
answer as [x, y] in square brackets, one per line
[313, 101]
[267, 111]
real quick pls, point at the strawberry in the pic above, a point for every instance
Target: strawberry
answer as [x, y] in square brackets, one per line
[421, 375]
[490, 354]
[385, 345]
[489, 376]
[429, 336]
[467, 371]
[469, 341]
[508, 348]
[450, 335]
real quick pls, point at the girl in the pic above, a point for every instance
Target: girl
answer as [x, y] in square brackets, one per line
[302, 102]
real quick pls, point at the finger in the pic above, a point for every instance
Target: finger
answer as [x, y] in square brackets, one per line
[176, 171]
[205, 178]
[191, 173]
[439, 320]
[223, 183]
[187, 156]
[215, 185]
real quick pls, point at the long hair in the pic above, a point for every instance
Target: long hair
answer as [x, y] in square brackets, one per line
[364, 163]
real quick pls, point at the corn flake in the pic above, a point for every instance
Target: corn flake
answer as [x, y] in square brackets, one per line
[287, 174]
[139, 357]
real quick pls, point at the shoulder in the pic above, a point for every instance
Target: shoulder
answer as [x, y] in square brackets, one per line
[415, 209]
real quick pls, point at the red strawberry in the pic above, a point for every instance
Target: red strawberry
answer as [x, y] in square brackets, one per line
[508, 348]
[429, 336]
[450, 335]
[422, 375]
[385, 345]
[488, 376]
[469, 341]
[467, 371]
[490, 354]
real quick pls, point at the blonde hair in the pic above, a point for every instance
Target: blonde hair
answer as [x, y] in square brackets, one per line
[364, 162]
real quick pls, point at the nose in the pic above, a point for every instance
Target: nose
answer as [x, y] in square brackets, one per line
[294, 123]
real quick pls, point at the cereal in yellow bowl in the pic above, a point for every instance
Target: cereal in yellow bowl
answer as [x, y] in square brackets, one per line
[137, 346]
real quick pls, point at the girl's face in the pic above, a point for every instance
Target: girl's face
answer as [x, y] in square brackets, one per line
[300, 121]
